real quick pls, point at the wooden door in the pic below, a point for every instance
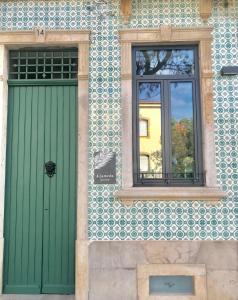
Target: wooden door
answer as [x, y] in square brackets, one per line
[40, 210]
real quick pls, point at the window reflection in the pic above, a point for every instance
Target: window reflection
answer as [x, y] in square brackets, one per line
[143, 128]
[144, 163]
[149, 91]
[165, 62]
[182, 129]
[150, 110]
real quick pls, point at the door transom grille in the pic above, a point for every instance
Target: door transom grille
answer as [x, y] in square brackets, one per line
[43, 64]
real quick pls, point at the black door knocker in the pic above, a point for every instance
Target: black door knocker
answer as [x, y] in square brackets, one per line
[50, 168]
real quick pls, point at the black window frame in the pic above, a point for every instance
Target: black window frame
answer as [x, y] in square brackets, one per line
[167, 180]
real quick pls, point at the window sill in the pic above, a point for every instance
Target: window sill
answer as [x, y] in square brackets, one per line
[131, 194]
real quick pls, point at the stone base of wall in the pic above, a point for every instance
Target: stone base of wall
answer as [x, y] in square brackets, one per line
[113, 266]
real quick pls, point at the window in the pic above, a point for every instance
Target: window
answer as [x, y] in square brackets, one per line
[164, 187]
[143, 128]
[171, 285]
[144, 163]
[165, 95]
[171, 281]
[43, 64]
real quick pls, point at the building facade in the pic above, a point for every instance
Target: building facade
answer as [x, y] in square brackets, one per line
[117, 231]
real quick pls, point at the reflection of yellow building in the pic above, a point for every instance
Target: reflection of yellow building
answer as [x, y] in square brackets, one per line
[150, 137]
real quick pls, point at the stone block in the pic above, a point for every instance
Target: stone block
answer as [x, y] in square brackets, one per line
[222, 285]
[217, 255]
[115, 255]
[118, 284]
[173, 252]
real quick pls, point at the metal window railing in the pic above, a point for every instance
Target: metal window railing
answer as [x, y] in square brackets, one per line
[171, 178]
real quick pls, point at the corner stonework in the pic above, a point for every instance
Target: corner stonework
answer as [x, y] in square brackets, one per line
[3, 139]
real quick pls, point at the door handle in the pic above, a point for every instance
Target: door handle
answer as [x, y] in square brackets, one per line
[50, 168]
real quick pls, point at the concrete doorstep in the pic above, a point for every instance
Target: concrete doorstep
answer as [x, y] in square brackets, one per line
[37, 297]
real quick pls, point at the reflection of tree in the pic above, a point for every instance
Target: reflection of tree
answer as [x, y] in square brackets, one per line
[149, 91]
[182, 146]
[172, 61]
[146, 66]
[156, 158]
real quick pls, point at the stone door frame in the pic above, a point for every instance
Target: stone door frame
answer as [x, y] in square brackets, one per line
[41, 38]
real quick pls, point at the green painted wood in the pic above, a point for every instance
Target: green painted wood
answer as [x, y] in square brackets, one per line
[23, 223]
[28, 82]
[40, 211]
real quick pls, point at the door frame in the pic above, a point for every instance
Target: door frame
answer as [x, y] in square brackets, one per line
[63, 38]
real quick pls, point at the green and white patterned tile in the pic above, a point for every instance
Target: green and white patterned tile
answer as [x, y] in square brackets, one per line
[108, 218]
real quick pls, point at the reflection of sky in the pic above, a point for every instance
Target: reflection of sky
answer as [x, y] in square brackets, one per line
[181, 100]
[179, 63]
[149, 91]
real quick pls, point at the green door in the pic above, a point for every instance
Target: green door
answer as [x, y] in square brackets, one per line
[40, 211]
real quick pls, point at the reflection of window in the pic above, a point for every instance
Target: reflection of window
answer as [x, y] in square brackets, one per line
[166, 97]
[143, 128]
[144, 163]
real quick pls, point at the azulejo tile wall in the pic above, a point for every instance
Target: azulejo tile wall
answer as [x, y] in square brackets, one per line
[108, 219]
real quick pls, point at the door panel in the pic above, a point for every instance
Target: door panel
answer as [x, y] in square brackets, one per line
[24, 191]
[40, 211]
[59, 197]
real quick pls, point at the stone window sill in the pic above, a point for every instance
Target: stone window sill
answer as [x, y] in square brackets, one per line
[131, 194]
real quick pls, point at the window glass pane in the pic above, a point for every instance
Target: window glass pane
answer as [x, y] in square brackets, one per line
[149, 92]
[182, 129]
[150, 110]
[143, 128]
[165, 62]
[171, 285]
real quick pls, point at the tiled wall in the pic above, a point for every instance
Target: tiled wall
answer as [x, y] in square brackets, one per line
[108, 219]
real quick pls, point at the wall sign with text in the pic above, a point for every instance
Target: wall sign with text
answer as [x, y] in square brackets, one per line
[104, 167]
